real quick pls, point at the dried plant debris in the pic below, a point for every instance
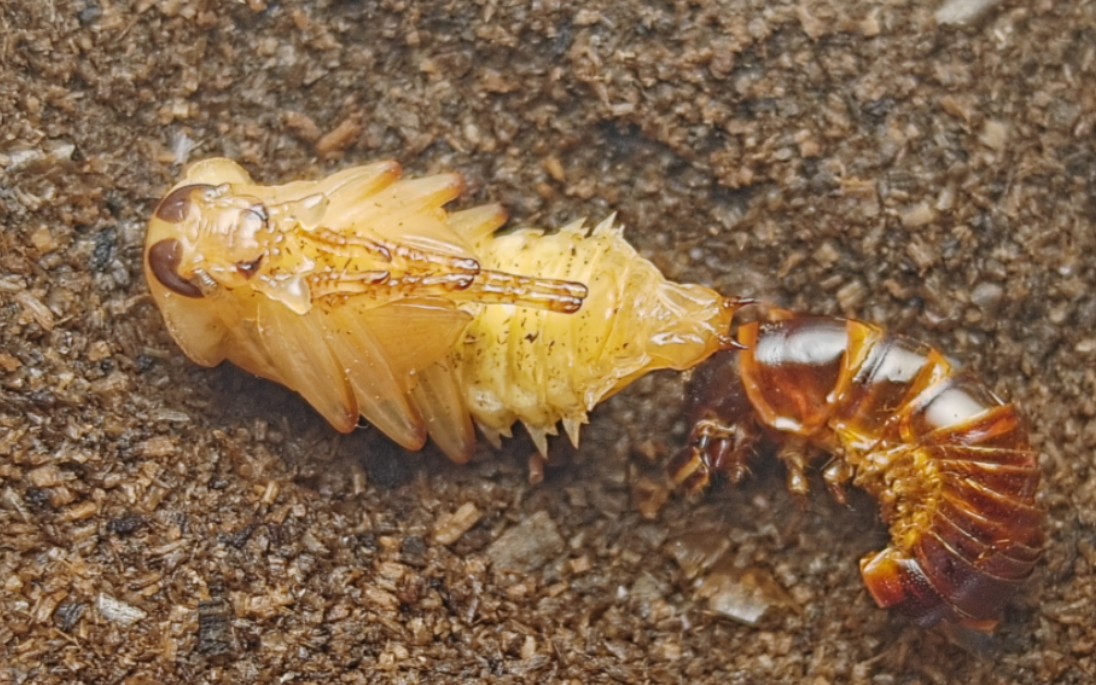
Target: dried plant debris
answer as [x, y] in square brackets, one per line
[527, 546]
[856, 159]
[964, 11]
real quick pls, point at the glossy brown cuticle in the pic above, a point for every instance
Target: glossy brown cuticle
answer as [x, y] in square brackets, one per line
[163, 259]
[174, 207]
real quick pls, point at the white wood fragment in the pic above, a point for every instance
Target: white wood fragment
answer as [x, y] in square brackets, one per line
[958, 12]
[117, 611]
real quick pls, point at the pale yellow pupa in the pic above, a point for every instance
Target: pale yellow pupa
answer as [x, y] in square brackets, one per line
[347, 290]
[361, 293]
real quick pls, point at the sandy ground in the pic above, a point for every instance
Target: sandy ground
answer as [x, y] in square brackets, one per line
[160, 522]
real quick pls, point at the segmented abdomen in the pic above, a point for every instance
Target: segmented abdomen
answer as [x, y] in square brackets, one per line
[949, 463]
[540, 367]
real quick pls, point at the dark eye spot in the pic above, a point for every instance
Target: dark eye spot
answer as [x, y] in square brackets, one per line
[163, 260]
[173, 208]
[248, 269]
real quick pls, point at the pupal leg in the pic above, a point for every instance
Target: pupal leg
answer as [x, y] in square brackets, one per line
[387, 265]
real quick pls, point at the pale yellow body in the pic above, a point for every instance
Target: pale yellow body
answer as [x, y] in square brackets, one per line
[541, 367]
[360, 292]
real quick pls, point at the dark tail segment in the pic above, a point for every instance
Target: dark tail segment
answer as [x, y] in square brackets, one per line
[948, 461]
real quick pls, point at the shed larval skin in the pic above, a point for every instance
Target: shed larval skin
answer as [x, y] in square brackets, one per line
[949, 463]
